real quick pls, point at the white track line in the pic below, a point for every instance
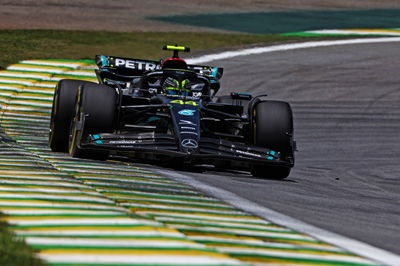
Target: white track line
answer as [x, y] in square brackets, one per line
[351, 245]
[356, 32]
[286, 47]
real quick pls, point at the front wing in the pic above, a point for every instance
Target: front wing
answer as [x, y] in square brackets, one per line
[209, 150]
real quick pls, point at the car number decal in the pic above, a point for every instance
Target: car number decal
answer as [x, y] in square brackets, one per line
[185, 102]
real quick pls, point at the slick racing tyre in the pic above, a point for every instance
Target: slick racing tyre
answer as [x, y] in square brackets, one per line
[62, 113]
[272, 127]
[95, 110]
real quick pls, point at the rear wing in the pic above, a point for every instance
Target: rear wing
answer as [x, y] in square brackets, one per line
[130, 67]
[125, 66]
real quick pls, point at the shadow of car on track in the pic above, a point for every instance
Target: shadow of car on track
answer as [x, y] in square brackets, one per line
[187, 168]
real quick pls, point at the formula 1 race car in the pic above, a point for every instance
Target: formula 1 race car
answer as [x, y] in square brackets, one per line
[168, 111]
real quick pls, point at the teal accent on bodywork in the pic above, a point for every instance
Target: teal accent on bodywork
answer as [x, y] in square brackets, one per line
[152, 119]
[270, 158]
[104, 61]
[99, 141]
[214, 72]
[96, 137]
[149, 120]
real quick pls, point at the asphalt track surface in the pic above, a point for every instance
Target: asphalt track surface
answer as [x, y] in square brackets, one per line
[346, 103]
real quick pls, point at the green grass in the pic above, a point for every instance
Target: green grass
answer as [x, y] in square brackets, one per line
[14, 251]
[16, 45]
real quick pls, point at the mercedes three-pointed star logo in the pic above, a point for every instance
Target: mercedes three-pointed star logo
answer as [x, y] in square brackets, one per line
[189, 143]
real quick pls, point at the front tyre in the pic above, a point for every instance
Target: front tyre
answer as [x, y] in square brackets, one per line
[62, 112]
[272, 128]
[94, 113]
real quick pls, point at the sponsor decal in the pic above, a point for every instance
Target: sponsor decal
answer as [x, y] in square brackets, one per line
[132, 64]
[197, 94]
[188, 127]
[248, 153]
[189, 132]
[124, 141]
[189, 143]
[186, 123]
[153, 90]
[187, 112]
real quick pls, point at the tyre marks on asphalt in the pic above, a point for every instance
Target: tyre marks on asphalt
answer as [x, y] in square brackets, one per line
[85, 212]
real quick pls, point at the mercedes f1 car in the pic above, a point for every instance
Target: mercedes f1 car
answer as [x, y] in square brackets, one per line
[168, 110]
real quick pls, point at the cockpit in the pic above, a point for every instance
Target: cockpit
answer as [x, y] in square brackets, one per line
[176, 82]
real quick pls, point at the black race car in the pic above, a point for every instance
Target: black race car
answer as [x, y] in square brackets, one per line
[168, 111]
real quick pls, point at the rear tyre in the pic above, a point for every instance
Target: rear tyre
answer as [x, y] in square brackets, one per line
[272, 128]
[94, 113]
[62, 113]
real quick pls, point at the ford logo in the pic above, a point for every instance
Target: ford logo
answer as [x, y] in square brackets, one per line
[189, 143]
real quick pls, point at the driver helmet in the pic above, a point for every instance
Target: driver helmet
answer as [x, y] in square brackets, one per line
[172, 86]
